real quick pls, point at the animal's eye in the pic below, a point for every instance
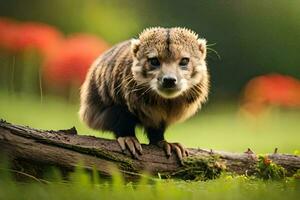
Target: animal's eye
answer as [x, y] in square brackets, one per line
[154, 61]
[184, 61]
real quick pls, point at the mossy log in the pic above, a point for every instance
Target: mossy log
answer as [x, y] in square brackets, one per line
[31, 151]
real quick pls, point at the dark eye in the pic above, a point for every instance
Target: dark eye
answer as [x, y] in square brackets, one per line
[184, 61]
[154, 61]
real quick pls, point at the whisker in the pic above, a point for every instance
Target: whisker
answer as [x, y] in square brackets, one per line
[218, 55]
[212, 44]
[149, 88]
[118, 88]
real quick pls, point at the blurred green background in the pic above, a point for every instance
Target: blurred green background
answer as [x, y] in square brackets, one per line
[252, 37]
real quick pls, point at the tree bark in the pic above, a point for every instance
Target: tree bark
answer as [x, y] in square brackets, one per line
[31, 151]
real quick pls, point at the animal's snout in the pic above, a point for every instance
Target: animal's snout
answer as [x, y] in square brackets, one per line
[169, 81]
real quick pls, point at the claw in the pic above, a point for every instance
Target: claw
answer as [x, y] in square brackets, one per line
[121, 142]
[181, 152]
[130, 143]
[137, 145]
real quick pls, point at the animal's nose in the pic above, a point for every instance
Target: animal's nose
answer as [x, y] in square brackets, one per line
[169, 81]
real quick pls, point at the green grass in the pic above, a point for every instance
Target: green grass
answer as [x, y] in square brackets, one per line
[218, 127]
[81, 186]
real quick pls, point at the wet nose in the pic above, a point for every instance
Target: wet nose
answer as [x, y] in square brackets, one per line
[169, 81]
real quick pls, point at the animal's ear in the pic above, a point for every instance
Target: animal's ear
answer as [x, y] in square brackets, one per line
[135, 44]
[202, 47]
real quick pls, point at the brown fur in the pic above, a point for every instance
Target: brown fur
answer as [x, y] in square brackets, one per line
[122, 77]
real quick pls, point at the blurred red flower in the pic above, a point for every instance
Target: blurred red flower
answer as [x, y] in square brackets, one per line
[70, 63]
[8, 32]
[42, 37]
[19, 37]
[273, 89]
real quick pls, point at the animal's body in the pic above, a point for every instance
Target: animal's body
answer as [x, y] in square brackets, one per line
[153, 81]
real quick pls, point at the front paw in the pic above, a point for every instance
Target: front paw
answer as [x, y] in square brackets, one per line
[180, 151]
[132, 144]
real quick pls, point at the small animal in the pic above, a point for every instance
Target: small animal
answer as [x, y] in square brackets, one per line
[154, 81]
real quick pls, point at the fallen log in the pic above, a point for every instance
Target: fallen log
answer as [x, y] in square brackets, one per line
[32, 151]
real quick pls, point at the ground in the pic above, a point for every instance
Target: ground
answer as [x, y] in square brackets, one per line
[217, 127]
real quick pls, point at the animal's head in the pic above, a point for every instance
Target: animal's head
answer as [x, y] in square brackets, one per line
[169, 60]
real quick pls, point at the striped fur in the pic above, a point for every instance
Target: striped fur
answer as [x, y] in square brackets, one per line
[115, 97]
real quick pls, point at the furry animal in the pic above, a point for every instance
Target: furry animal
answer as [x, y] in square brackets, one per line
[153, 81]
